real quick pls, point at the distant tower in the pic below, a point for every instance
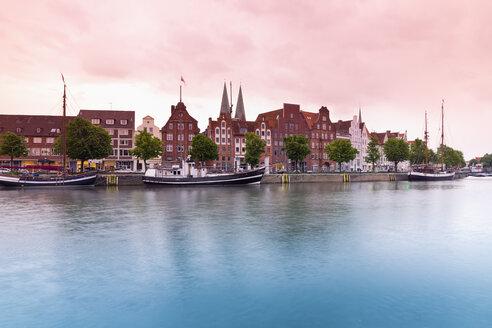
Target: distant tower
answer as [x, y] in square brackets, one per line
[224, 106]
[360, 115]
[240, 113]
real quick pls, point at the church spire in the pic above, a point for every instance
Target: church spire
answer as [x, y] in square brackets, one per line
[224, 106]
[360, 115]
[240, 113]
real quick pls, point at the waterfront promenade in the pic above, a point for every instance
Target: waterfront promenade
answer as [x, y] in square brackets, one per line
[136, 179]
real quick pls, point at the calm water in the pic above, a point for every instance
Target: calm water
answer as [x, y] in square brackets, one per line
[361, 255]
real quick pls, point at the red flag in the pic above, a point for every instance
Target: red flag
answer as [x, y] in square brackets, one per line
[183, 80]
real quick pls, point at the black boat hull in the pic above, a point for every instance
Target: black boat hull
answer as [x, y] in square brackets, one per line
[417, 176]
[84, 180]
[251, 177]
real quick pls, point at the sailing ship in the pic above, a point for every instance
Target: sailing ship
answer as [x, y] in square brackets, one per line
[432, 173]
[189, 175]
[61, 178]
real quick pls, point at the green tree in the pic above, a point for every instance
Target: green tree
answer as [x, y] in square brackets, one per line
[486, 160]
[373, 154]
[473, 162]
[296, 147]
[452, 157]
[146, 147]
[13, 145]
[417, 152]
[85, 141]
[203, 148]
[432, 157]
[396, 150]
[341, 151]
[254, 148]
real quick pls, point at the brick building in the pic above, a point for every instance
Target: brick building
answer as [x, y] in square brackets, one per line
[120, 125]
[228, 133]
[40, 132]
[177, 134]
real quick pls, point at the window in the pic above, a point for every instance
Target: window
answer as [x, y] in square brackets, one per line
[237, 149]
[124, 142]
[243, 149]
[36, 151]
[38, 130]
[18, 130]
[244, 140]
[51, 131]
[223, 131]
[123, 122]
[223, 140]
[124, 152]
[324, 126]
[169, 136]
[323, 118]
[257, 132]
[169, 148]
[180, 137]
[151, 130]
[329, 127]
[110, 122]
[223, 124]
[50, 140]
[262, 126]
[190, 126]
[229, 131]
[170, 126]
[36, 140]
[268, 133]
[180, 149]
[95, 121]
[123, 132]
[268, 142]
[181, 126]
[217, 131]
[217, 140]
[262, 133]
[291, 115]
[45, 152]
[237, 140]
[190, 137]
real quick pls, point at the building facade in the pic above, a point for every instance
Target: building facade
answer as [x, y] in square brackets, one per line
[177, 135]
[40, 133]
[120, 125]
[149, 126]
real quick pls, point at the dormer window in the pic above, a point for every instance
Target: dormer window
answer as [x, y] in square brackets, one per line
[18, 130]
[123, 122]
[96, 121]
[38, 130]
[110, 122]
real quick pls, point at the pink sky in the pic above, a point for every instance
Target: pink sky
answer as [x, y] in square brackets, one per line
[394, 58]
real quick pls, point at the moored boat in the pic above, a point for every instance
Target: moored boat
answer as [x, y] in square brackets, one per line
[87, 179]
[188, 175]
[62, 178]
[432, 173]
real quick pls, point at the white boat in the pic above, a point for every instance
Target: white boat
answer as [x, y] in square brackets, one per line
[189, 175]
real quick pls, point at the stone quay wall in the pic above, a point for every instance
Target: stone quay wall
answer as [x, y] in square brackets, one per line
[333, 177]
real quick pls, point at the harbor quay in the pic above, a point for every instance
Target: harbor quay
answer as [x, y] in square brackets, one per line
[136, 179]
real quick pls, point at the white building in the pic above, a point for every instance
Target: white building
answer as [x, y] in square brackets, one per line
[149, 126]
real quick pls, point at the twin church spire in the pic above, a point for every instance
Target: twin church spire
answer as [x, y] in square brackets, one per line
[225, 108]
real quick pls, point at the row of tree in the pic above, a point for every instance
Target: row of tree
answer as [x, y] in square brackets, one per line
[85, 141]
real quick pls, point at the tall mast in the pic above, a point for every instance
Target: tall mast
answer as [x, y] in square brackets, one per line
[442, 135]
[231, 96]
[426, 137]
[64, 137]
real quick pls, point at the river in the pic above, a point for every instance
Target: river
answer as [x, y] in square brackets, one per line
[385, 254]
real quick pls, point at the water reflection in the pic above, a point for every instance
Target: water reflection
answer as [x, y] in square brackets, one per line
[354, 254]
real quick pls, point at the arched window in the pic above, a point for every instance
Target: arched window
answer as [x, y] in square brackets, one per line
[223, 124]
